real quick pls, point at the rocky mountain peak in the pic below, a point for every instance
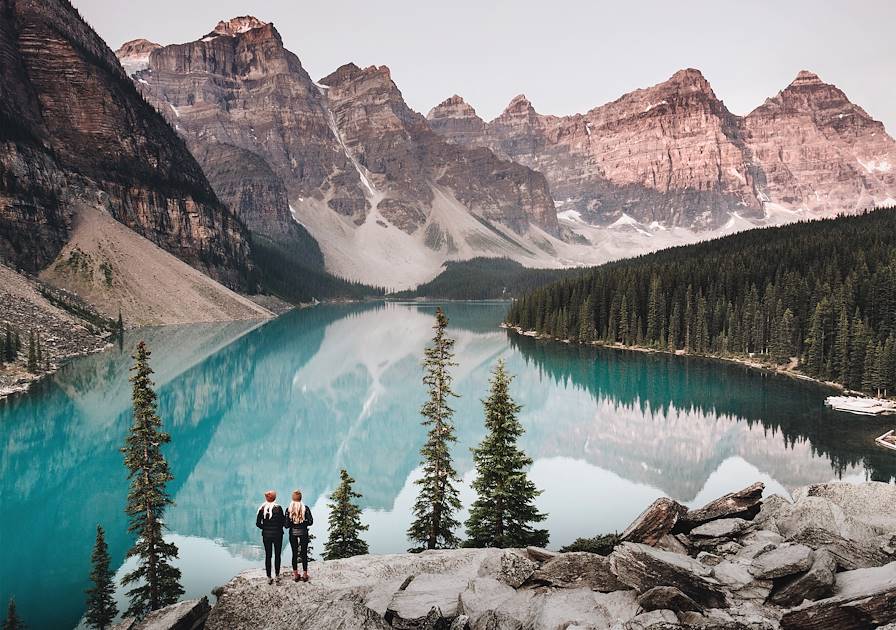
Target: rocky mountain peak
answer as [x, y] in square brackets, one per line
[351, 72]
[237, 25]
[804, 77]
[519, 104]
[134, 55]
[453, 107]
[136, 47]
[690, 79]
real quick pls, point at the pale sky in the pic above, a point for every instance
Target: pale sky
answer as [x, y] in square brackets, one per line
[567, 56]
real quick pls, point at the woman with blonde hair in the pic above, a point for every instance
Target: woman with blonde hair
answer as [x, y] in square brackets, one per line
[299, 519]
[271, 521]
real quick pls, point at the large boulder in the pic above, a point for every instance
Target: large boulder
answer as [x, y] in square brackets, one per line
[736, 577]
[667, 598]
[578, 569]
[864, 598]
[655, 522]
[250, 603]
[511, 567]
[190, 614]
[816, 583]
[582, 608]
[741, 504]
[872, 502]
[642, 567]
[817, 512]
[427, 599]
[849, 554]
[784, 560]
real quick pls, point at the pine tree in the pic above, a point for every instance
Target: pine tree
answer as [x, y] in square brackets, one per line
[12, 621]
[148, 498]
[40, 356]
[782, 349]
[502, 514]
[9, 348]
[434, 523]
[344, 522]
[101, 607]
[32, 354]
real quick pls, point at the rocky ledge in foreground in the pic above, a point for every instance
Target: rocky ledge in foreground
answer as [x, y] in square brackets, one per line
[825, 560]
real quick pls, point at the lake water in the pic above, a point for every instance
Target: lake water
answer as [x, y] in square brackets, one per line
[287, 404]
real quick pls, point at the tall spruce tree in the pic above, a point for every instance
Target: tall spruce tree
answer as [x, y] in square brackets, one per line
[101, 607]
[344, 522]
[159, 581]
[434, 523]
[505, 509]
[12, 621]
[32, 354]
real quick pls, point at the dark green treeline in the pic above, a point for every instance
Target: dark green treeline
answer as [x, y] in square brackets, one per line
[822, 292]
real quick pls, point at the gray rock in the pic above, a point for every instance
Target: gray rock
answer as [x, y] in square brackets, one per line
[461, 622]
[496, 620]
[578, 569]
[849, 554]
[749, 552]
[186, 615]
[643, 567]
[582, 607]
[246, 600]
[771, 507]
[721, 528]
[864, 598]
[539, 554]
[667, 598]
[871, 502]
[737, 578]
[816, 583]
[761, 536]
[709, 559]
[655, 619]
[510, 567]
[654, 522]
[815, 512]
[427, 598]
[787, 559]
[671, 543]
[485, 593]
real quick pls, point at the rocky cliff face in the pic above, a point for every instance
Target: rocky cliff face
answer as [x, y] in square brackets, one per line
[674, 154]
[820, 151]
[75, 131]
[361, 170]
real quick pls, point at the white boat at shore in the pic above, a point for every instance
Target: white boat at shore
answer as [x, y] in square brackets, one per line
[860, 405]
[888, 440]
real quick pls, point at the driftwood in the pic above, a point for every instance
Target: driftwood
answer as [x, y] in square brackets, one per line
[741, 504]
[654, 522]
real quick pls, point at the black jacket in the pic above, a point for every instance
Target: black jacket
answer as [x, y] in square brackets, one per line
[272, 526]
[300, 528]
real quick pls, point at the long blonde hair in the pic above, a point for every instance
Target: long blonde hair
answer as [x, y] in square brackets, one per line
[296, 509]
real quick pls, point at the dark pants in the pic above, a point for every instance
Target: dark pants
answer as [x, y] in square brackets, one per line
[275, 544]
[297, 543]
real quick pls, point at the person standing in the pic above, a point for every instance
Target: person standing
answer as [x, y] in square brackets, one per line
[299, 519]
[271, 521]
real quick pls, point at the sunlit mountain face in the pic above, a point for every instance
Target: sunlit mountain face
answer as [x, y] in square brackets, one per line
[287, 404]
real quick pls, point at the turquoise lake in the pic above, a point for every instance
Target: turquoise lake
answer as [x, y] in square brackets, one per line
[288, 403]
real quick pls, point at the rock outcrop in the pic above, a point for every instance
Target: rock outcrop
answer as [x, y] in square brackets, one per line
[74, 131]
[761, 582]
[345, 157]
[673, 154]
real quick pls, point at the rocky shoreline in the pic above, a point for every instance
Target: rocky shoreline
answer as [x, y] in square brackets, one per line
[824, 561]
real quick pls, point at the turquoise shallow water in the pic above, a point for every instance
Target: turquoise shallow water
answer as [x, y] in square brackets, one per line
[288, 404]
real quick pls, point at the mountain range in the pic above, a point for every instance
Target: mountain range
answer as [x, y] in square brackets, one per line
[389, 195]
[228, 157]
